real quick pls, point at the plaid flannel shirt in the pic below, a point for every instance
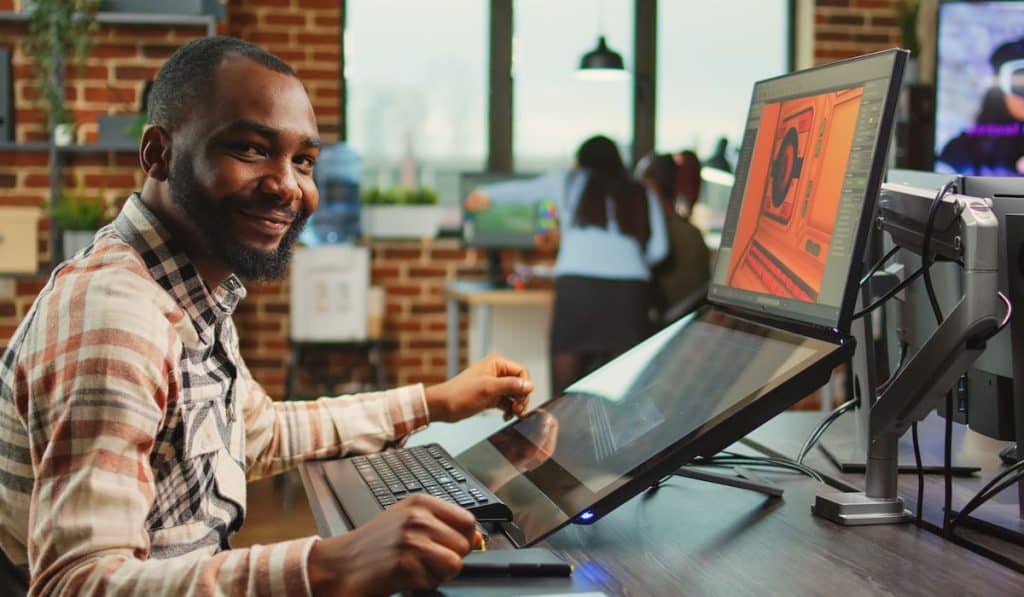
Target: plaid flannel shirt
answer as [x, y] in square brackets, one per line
[129, 425]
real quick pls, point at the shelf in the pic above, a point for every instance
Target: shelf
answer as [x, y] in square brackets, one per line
[98, 148]
[30, 146]
[130, 18]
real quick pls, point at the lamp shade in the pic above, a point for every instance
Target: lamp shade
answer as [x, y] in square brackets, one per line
[602, 63]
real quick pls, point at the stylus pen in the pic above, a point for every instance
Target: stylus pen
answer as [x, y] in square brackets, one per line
[482, 569]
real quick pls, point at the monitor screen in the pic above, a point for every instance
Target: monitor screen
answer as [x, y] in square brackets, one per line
[807, 179]
[658, 403]
[503, 226]
[979, 103]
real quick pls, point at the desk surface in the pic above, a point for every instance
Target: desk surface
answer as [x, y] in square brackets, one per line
[480, 293]
[708, 539]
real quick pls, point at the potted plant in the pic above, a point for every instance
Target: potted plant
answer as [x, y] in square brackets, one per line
[79, 215]
[401, 213]
[906, 18]
[54, 28]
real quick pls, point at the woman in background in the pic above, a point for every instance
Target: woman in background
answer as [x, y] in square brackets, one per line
[612, 233]
[684, 274]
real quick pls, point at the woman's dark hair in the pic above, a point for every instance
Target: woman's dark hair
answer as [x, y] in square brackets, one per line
[676, 176]
[607, 177]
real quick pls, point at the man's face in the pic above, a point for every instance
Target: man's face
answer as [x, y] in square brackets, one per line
[242, 168]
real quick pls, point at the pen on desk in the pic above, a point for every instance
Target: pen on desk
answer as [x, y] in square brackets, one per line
[488, 569]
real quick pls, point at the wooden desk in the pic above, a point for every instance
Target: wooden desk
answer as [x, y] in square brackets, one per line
[787, 433]
[696, 538]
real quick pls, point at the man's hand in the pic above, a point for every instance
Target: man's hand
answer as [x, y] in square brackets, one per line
[477, 201]
[416, 544]
[494, 382]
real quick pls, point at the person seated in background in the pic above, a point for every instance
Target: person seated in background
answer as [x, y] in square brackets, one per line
[612, 231]
[675, 181]
[128, 419]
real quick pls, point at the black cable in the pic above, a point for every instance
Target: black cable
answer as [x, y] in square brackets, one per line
[986, 492]
[763, 461]
[926, 264]
[879, 264]
[899, 365]
[888, 295]
[920, 472]
[977, 503]
[815, 435]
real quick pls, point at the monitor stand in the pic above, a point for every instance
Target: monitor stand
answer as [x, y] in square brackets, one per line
[851, 460]
[760, 486]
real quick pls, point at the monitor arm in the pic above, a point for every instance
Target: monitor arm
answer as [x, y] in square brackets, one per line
[964, 227]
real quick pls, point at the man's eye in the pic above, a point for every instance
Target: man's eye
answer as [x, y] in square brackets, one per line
[306, 161]
[248, 149]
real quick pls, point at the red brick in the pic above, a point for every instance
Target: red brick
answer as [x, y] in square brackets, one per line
[325, 4]
[161, 51]
[37, 181]
[427, 272]
[24, 158]
[426, 309]
[323, 20]
[143, 73]
[403, 254]
[19, 201]
[284, 19]
[316, 39]
[265, 38]
[114, 51]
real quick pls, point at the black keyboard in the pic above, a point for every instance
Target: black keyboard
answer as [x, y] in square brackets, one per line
[396, 474]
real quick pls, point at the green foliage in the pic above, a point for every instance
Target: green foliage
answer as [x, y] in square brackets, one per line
[399, 196]
[906, 18]
[58, 35]
[78, 211]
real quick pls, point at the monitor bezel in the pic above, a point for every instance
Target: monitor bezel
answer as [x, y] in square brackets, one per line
[876, 173]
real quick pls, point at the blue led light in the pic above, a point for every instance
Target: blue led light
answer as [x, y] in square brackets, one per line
[586, 516]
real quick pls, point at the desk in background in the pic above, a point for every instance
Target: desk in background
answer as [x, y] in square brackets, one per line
[514, 323]
[697, 538]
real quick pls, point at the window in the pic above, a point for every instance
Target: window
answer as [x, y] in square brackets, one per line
[416, 84]
[553, 111]
[709, 55]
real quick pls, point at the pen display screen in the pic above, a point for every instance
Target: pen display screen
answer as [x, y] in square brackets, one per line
[668, 390]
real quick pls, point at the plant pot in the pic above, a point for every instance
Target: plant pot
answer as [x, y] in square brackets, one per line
[63, 134]
[401, 221]
[76, 240]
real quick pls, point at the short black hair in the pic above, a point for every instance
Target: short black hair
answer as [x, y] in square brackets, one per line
[185, 80]
[1011, 50]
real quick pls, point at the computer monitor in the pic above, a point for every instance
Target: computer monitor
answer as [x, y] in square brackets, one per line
[808, 173]
[986, 403]
[506, 226]
[979, 105]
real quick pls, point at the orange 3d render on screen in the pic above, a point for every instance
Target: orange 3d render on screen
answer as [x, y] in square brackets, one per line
[792, 194]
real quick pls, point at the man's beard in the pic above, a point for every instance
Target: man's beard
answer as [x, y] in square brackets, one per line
[210, 218]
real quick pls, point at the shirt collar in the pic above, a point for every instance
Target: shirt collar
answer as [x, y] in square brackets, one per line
[173, 270]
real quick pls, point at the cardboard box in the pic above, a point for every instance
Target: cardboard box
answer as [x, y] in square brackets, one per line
[19, 240]
[329, 287]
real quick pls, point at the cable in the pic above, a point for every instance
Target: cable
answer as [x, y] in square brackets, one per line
[920, 473]
[728, 459]
[976, 502]
[815, 435]
[888, 295]
[988, 492]
[926, 264]
[899, 365]
[879, 264]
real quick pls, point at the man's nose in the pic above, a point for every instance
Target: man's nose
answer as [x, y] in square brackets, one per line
[280, 182]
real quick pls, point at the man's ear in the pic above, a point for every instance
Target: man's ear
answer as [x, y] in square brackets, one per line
[155, 152]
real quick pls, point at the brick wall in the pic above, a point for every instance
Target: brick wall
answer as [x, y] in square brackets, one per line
[305, 33]
[845, 28]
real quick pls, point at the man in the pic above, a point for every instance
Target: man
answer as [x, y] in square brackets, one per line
[129, 423]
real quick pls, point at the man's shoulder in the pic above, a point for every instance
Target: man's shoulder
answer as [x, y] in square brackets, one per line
[109, 283]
